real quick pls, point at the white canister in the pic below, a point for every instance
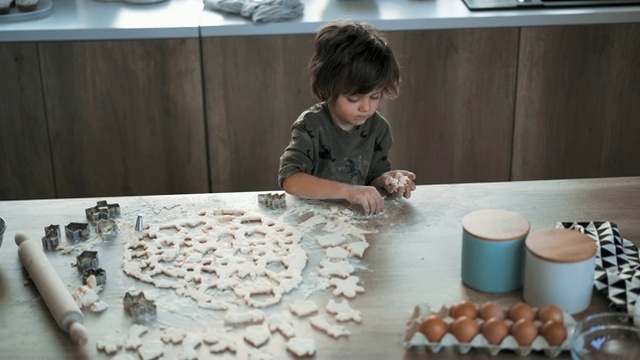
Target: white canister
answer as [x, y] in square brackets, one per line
[559, 269]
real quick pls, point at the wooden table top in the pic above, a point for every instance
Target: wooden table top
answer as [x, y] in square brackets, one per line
[413, 258]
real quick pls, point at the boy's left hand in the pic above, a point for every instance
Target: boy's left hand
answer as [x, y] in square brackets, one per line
[399, 182]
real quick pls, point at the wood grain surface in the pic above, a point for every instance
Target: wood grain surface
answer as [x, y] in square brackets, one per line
[125, 117]
[414, 258]
[25, 158]
[255, 88]
[577, 112]
[453, 121]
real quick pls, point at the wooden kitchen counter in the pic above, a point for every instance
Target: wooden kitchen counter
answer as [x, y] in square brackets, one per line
[413, 258]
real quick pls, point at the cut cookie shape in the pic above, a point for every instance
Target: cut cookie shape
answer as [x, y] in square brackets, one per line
[346, 287]
[281, 322]
[172, 335]
[303, 308]
[320, 322]
[357, 248]
[134, 334]
[301, 347]
[109, 344]
[335, 268]
[256, 335]
[219, 341]
[343, 312]
[151, 349]
[244, 317]
[336, 252]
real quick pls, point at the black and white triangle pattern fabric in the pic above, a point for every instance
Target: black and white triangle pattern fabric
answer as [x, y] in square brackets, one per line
[617, 272]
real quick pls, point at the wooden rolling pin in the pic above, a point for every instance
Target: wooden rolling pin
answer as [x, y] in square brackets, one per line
[55, 294]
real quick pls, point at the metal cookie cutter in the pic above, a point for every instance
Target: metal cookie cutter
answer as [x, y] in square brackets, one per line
[76, 231]
[138, 306]
[107, 229]
[87, 260]
[99, 273]
[102, 211]
[51, 238]
[272, 201]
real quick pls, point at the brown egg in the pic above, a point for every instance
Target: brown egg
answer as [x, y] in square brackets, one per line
[550, 312]
[554, 332]
[464, 308]
[495, 330]
[464, 329]
[524, 331]
[433, 328]
[491, 309]
[521, 310]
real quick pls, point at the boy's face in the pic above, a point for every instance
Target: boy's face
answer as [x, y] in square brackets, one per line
[351, 111]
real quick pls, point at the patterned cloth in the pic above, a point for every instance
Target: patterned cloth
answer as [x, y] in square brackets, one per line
[260, 11]
[617, 272]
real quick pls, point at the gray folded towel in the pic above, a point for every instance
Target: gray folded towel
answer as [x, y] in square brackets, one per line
[260, 11]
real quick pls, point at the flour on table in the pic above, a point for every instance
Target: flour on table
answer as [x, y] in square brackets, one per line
[260, 355]
[346, 287]
[281, 322]
[303, 308]
[343, 312]
[301, 347]
[257, 335]
[221, 258]
[320, 322]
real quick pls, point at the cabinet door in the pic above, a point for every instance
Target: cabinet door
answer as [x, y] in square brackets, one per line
[453, 121]
[25, 159]
[255, 88]
[125, 117]
[578, 102]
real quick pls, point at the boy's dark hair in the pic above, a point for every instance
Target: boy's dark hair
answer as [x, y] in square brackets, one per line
[352, 58]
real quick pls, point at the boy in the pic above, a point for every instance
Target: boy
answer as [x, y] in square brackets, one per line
[339, 147]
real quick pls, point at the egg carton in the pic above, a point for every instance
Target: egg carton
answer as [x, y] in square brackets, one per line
[414, 338]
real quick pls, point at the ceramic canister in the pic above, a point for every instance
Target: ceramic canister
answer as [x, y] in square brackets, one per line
[493, 250]
[559, 269]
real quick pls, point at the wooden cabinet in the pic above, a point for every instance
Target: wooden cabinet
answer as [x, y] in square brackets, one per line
[453, 121]
[255, 87]
[125, 117]
[578, 102]
[25, 158]
[138, 117]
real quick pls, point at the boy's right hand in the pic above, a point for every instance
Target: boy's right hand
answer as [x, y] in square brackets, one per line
[368, 197]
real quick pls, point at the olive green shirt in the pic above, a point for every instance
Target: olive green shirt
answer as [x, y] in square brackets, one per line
[321, 148]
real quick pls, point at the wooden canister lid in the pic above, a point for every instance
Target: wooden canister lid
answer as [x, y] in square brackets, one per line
[496, 225]
[561, 245]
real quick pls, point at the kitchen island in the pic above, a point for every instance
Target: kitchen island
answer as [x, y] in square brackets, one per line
[486, 95]
[413, 258]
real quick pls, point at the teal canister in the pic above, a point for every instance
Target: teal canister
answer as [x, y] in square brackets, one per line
[493, 250]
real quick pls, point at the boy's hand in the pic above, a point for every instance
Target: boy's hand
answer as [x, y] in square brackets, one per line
[368, 197]
[399, 182]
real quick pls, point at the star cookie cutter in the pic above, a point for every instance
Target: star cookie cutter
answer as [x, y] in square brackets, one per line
[138, 306]
[102, 211]
[87, 260]
[272, 200]
[51, 238]
[99, 273]
[77, 231]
